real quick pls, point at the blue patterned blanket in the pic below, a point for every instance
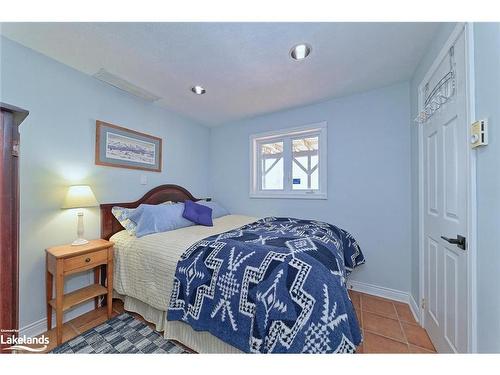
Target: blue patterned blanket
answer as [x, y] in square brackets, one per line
[276, 285]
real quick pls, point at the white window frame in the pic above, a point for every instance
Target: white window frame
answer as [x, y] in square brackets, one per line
[287, 135]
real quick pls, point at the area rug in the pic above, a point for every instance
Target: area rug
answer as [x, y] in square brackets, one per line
[122, 334]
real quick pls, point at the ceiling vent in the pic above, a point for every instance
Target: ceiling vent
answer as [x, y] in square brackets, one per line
[120, 83]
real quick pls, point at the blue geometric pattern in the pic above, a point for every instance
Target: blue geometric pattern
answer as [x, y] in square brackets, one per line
[122, 334]
[273, 286]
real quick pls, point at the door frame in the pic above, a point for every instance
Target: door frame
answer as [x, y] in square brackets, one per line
[471, 218]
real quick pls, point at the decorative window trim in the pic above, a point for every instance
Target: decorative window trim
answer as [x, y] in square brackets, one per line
[288, 134]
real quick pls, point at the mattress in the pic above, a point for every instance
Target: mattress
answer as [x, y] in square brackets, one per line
[144, 269]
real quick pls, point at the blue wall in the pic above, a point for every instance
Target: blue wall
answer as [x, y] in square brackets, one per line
[368, 175]
[487, 97]
[57, 150]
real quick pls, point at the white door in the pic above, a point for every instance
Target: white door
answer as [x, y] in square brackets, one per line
[445, 166]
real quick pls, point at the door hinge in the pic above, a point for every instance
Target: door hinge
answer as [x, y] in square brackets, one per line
[15, 148]
[423, 303]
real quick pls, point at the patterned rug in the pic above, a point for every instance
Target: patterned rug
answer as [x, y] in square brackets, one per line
[122, 334]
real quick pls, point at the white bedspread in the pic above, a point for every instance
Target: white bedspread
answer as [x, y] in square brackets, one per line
[144, 267]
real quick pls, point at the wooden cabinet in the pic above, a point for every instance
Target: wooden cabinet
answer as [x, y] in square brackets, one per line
[10, 118]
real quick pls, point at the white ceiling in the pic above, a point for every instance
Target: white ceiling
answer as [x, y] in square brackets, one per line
[245, 67]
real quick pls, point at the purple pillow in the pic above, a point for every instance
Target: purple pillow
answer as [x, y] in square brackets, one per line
[198, 213]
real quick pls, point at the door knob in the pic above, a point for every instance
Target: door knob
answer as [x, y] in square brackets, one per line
[460, 241]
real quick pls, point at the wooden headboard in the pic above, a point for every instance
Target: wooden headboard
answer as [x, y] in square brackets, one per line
[160, 194]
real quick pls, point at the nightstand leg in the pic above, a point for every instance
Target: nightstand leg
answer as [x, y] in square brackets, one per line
[59, 300]
[97, 272]
[48, 296]
[110, 282]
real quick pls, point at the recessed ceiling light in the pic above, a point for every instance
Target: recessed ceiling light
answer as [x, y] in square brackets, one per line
[198, 90]
[300, 51]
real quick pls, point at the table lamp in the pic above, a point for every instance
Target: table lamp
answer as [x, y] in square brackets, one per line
[79, 196]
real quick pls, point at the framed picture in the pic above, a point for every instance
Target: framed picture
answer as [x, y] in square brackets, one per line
[124, 148]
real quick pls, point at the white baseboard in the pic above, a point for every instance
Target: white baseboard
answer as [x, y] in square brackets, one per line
[380, 291]
[40, 326]
[414, 308]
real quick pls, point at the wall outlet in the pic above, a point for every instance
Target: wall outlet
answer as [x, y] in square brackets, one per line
[144, 179]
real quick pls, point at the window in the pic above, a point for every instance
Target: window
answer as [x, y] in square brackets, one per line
[289, 163]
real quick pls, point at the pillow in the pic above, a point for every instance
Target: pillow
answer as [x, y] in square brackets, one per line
[123, 216]
[158, 218]
[198, 213]
[217, 209]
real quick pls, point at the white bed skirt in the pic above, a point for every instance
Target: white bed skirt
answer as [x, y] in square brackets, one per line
[149, 313]
[200, 342]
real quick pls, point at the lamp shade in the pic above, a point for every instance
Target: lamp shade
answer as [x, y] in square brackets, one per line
[79, 196]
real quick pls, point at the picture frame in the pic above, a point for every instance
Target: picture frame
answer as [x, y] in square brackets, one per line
[116, 146]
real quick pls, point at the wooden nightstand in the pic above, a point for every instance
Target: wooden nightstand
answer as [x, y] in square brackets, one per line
[66, 260]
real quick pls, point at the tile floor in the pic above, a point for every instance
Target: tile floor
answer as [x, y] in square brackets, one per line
[388, 326]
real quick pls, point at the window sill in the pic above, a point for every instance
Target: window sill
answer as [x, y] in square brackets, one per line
[319, 196]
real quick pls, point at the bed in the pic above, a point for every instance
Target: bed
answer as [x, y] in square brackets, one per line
[147, 276]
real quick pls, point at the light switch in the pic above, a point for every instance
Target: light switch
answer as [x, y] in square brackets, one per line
[144, 179]
[479, 133]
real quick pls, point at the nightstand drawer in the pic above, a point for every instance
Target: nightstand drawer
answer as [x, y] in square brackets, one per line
[85, 261]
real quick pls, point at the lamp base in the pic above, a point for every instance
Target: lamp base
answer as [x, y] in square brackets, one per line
[79, 241]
